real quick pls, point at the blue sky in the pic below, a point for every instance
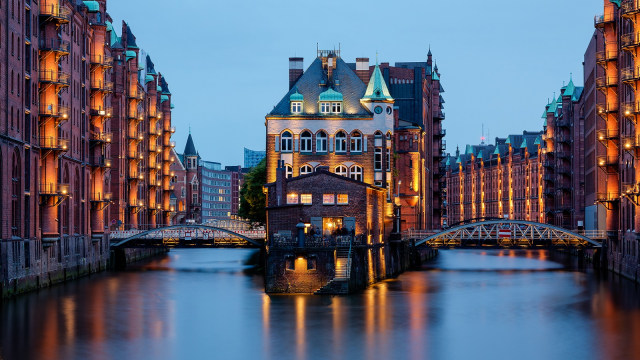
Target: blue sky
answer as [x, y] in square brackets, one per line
[227, 62]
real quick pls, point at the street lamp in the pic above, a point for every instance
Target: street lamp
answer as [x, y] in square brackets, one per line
[398, 207]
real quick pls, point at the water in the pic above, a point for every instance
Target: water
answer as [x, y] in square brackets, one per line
[207, 304]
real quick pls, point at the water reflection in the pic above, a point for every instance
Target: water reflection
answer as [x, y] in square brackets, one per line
[202, 304]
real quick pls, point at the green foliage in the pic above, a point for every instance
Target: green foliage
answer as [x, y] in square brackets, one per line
[252, 199]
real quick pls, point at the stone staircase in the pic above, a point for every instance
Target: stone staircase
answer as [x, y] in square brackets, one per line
[340, 283]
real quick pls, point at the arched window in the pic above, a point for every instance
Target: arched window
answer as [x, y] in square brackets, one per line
[356, 141]
[306, 169]
[356, 172]
[286, 142]
[15, 194]
[321, 141]
[288, 171]
[77, 203]
[305, 142]
[341, 142]
[65, 204]
[341, 170]
[377, 138]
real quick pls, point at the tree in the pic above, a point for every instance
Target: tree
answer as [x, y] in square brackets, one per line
[252, 199]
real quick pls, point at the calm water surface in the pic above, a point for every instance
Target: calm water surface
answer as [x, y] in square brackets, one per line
[204, 304]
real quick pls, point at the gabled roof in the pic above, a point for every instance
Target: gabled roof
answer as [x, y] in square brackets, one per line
[151, 69]
[131, 40]
[164, 86]
[570, 89]
[377, 88]
[190, 148]
[314, 81]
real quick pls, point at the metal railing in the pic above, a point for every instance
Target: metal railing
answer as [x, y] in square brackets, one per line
[100, 85]
[135, 94]
[55, 77]
[54, 189]
[101, 161]
[606, 81]
[101, 197]
[607, 134]
[55, 11]
[608, 197]
[609, 160]
[607, 55]
[57, 45]
[630, 6]
[53, 110]
[101, 111]
[101, 137]
[54, 143]
[600, 20]
[102, 60]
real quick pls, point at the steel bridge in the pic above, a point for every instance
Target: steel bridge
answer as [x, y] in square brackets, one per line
[511, 234]
[187, 236]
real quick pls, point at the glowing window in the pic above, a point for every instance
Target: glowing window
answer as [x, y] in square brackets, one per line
[343, 199]
[341, 170]
[306, 199]
[292, 198]
[328, 199]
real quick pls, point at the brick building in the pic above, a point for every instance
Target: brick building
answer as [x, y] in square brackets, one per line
[57, 118]
[497, 180]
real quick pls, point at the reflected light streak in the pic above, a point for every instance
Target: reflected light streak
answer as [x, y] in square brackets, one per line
[69, 313]
[300, 327]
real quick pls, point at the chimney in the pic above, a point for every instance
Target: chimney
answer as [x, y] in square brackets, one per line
[295, 70]
[362, 69]
[281, 183]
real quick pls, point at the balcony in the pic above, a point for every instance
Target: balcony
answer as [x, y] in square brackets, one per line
[101, 60]
[439, 133]
[548, 164]
[154, 131]
[603, 82]
[54, 12]
[99, 138]
[51, 110]
[134, 155]
[54, 77]
[135, 176]
[101, 111]
[135, 115]
[51, 189]
[101, 162]
[101, 197]
[564, 139]
[438, 115]
[630, 7]
[563, 123]
[607, 55]
[600, 21]
[135, 136]
[103, 86]
[604, 109]
[54, 143]
[135, 94]
[608, 196]
[609, 162]
[55, 45]
[630, 143]
[604, 135]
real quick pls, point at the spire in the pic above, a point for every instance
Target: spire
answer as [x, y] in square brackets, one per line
[570, 88]
[377, 88]
[190, 148]
[429, 53]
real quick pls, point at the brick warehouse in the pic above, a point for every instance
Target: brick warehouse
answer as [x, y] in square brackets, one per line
[58, 151]
[344, 116]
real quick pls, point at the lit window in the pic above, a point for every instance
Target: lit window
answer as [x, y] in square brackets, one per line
[377, 159]
[321, 142]
[306, 169]
[288, 171]
[356, 172]
[343, 199]
[388, 160]
[341, 170]
[356, 142]
[336, 107]
[306, 199]
[328, 199]
[341, 142]
[325, 107]
[286, 141]
[296, 107]
[305, 142]
[292, 198]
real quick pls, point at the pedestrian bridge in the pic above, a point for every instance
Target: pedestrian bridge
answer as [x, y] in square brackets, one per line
[511, 234]
[190, 235]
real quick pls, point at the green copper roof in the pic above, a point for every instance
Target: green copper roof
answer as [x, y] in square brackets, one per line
[92, 5]
[159, 88]
[538, 140]
[570, 89]
[164, 98]
[172, 106]
[617, 2]
[329, 95]
[435, 76]
[296, 96]
[544, 113]
[130, 54]
[377, 88]
[552, 107]
[148, 78]
[524, 144]
[480, 155]
[109, 25]
[458, 160]
[496, 151]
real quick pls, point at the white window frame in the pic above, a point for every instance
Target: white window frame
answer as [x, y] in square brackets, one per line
[306, 144]
[356, 172]
[321, 141]
[336, 107]
[296, 107]
[341, 142]
[377, 159]
[328, 199]
[286, 142]
[288, 171]
[356, 141]
[342, 170]
[325, 107]
[292, 199]
[306, 169]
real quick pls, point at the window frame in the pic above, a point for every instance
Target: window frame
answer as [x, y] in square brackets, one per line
[304, 197]
[310, 168]
[338, 171]
[306, 142]
[341, 142]
[356, 171]
[296, 107]
[326, 201]
[286, 140]
[325, 107]
[339, 202]
[356, 142]
[321, 138]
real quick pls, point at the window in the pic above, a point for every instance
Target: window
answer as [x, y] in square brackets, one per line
[194, 198]
[292, 198]
[341, 170]
[305, 142]
[356, 172]
[286, 141]
[388, 159]
[321, 142]
[356, 142]
[377, 159]
[288, 171]
[325, 107]
[343, 199]
[296, 107]
[341, 142]
[306, 199]
[306, 169]
[328, 199]
[336, 107]
[378, 139]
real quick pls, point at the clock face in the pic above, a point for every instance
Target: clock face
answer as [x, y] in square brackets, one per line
[378, 109]
[389, 110]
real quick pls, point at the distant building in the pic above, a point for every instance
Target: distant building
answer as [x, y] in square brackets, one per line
[253, 157]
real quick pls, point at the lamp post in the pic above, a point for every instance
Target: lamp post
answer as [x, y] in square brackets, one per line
[398, 207]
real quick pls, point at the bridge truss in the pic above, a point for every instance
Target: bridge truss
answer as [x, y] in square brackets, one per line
[508, 233]
[187, 236]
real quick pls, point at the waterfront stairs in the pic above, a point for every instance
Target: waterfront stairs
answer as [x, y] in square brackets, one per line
[340, 283]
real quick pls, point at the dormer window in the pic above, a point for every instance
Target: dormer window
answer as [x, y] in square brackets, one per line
[325, 107]
[296, 107]
[336, 107]
[330, 102]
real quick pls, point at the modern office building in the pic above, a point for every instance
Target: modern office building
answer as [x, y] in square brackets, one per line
[253, 157]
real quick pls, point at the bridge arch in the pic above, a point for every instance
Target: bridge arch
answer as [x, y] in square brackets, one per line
[123, 242]
[521, 233]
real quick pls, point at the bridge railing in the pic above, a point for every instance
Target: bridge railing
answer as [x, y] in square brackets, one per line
[194, 233]
[316, 241]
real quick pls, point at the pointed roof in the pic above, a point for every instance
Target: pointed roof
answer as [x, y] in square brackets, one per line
[151, 69]
[377, 88]
[131, 40]
[165, 86]
[190, 148]
[569, 89]
[330, 95]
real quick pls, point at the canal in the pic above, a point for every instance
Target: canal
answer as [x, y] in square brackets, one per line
[208, 304]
